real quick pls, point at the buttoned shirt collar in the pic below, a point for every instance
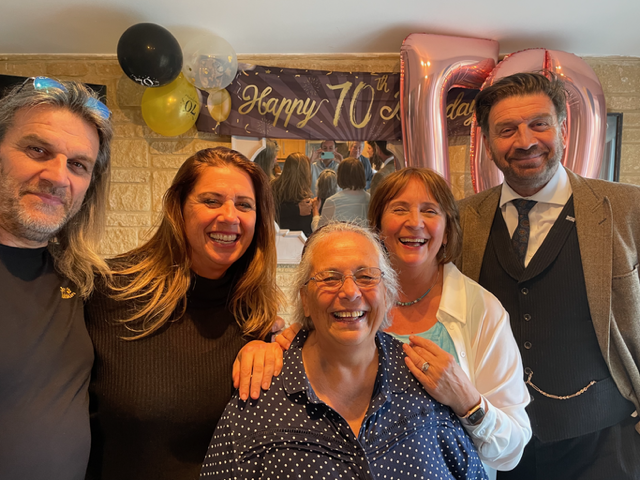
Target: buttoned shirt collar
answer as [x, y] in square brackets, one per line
[556, 192]
[389, 380]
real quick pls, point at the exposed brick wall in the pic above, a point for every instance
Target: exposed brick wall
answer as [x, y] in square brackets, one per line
[144, 162]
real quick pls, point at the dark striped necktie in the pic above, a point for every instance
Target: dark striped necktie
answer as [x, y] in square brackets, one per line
[520, 238]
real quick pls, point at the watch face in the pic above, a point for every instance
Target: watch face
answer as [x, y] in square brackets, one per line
[476, 417]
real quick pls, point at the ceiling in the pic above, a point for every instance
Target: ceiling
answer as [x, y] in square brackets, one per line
[583, 27]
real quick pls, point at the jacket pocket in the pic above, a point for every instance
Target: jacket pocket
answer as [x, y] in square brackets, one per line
[625, 296]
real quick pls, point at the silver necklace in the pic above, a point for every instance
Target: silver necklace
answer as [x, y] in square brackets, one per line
[407, 304]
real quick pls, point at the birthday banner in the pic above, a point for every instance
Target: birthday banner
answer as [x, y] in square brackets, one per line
[317, 105]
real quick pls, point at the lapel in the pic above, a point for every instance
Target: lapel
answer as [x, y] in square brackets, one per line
[594, 222]
[476, 226]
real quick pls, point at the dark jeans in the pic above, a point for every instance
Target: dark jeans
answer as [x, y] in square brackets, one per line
[609, 454]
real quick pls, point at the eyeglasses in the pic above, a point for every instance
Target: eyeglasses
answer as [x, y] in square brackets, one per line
[329, 280]
[45, 83]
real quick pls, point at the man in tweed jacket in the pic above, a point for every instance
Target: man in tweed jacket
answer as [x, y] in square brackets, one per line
[523, 119]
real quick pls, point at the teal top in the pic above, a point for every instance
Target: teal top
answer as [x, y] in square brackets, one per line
[438, 335]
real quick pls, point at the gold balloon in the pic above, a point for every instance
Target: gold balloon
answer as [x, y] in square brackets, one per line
[172, 109]
[219, 104]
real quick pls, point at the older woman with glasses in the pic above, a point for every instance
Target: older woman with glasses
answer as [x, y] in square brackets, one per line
[345, 404]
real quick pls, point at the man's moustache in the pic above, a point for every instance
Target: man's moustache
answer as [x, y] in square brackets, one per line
[524, 154]
[59, 193]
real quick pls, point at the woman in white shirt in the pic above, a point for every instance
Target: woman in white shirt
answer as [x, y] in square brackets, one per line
[459, 340]
[349, 205]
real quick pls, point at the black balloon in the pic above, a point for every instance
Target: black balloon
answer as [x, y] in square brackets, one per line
[149, 55]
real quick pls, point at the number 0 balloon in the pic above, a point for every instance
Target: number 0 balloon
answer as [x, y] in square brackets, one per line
[586, 114]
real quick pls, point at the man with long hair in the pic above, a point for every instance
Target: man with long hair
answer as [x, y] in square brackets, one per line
[54, 175]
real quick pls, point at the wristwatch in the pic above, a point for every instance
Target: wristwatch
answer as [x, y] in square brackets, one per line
[475, 415]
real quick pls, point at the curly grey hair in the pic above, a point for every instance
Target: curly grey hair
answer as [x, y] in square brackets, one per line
[303, 271]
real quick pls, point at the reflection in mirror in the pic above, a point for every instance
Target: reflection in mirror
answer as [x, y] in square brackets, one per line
[610, 168]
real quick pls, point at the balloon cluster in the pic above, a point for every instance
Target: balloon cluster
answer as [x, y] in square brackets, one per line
[151, 56]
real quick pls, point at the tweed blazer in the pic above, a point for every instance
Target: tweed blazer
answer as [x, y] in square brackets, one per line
[608, 226]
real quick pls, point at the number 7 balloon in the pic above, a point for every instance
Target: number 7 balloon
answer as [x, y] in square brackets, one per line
[430, 66]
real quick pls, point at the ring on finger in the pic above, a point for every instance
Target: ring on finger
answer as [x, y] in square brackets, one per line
[424, 367]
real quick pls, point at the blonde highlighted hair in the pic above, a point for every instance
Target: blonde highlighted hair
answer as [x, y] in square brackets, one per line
[157, 275]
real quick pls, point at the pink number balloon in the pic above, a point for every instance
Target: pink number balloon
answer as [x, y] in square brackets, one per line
[430, 66]
[586, 114]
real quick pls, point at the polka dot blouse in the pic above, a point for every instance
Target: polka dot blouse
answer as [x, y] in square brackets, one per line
[289, 433]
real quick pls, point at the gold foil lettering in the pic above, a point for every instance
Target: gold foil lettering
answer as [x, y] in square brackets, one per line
[387, 114]
[345, 89]
[382, 84]
[354, 99]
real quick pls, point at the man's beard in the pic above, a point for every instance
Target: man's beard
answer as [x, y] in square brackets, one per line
[40, 222]
[542, 178]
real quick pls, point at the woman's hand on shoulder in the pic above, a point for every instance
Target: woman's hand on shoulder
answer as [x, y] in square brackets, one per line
[258, 362]
[444, 380]
[285, 338]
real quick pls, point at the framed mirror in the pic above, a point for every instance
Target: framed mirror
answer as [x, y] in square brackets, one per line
[610, 168]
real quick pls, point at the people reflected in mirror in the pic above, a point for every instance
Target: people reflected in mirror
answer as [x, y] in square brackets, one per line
[326, 186]
[325, 157]
[386, 161]
[351, 203]
[345, 404]
[166, 330]
[355, 151]
[267, 159]
[292, 195]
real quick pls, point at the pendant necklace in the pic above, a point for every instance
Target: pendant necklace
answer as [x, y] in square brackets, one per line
[407, 304]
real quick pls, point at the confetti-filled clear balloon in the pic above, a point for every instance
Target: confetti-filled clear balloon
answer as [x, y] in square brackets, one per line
[209, 62]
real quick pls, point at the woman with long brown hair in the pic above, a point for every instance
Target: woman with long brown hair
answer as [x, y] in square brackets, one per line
[292, 194]
[167, 328]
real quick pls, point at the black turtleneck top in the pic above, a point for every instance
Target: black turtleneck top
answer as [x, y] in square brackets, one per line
[155, 402]
[45, 363]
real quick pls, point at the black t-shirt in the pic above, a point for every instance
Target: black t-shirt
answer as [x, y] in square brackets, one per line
[45, 363]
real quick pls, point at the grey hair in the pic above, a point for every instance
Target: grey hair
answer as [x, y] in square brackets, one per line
[303, 271]
[75, 245]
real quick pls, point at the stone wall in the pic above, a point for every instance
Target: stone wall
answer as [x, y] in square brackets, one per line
[144, 162]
